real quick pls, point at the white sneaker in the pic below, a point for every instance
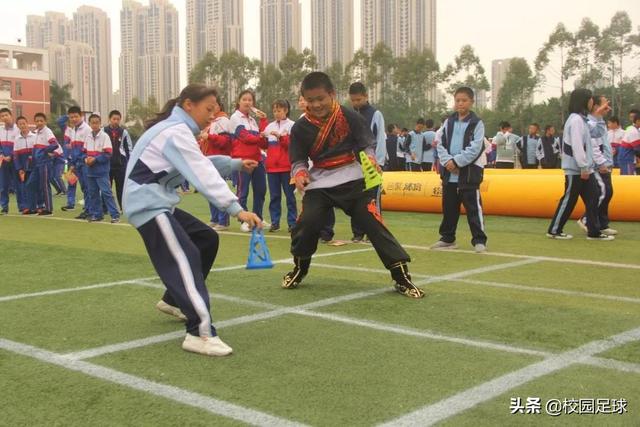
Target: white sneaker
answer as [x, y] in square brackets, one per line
[443, 245]
[244, 227]
[582, 225]
[479, 248]
[602, 237]
[170, 310]
[209, 346]
[560, 236]
[220, 227]
[609, 231]
[266, 225]
[213, 225]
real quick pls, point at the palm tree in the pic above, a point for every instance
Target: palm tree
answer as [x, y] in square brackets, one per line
[60, 97]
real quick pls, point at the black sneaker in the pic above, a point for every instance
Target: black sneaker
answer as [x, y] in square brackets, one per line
[83, 215]
[274, 228]
[292, 279]
[601, 237]
[68, 208]
[115, 220]
[403, 283]
[4, 212]
[45, 212]
[357, 238]
[94, 219]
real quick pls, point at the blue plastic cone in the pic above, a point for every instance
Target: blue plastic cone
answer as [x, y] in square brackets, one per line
[259, 256]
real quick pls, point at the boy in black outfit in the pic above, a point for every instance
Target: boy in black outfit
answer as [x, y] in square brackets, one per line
[332, 137]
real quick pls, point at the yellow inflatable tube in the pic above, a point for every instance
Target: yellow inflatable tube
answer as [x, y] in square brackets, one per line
[519, 194]
[493, 171]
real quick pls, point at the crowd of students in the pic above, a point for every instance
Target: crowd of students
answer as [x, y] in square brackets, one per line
[32, 162]
[96, 157]
[193, 140]
[415, 150]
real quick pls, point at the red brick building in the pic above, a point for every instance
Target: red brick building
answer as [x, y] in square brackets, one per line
[24, 80]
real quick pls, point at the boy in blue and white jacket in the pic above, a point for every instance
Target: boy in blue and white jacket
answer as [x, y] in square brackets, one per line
[74, 136]
[44, 151]
[98, 161]
[23, 163]
[461, 153]
[181, 247]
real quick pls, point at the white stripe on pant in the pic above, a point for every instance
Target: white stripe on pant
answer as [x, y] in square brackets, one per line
[186, 274]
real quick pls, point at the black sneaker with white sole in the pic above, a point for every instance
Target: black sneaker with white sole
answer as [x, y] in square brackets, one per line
[292, 279]
[560, 236]
[403, 283]
[601, 237]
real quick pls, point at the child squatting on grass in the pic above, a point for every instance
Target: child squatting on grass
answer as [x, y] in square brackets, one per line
[181, 247]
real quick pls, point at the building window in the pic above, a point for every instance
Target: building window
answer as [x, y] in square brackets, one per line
[18, 110]
[18, 89]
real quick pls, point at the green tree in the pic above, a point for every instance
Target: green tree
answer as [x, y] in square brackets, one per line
[60, 98]
[466, 70]
[516, 93]
[230, 73]
[615, 44]
[138, 113]
[560, 41]
[340, 80]
[269, 77]
[380, 73]
[359, 67]
[583, 60]
[294, 66]
[415, 78]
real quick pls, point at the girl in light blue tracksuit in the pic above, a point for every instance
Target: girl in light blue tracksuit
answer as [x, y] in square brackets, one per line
[181, 247]
[577, 163]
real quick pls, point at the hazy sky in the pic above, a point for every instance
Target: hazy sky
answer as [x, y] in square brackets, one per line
[495, 28]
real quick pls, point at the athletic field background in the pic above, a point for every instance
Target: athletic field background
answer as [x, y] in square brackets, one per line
[532, 325]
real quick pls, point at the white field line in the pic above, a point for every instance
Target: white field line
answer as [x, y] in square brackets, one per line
[76, 289]
[517, 287]
[549, 290]
[401, 330]
[617, 365]
[141, 280]
[406, 246]
[185, 397]
[467, 399]
[275, 312]
[536, 257]
[480, 270]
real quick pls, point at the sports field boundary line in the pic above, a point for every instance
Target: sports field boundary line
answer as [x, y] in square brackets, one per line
[74, 289]
[406, 246]
[537, 257]
[143, 279]
[451, 406]
[494, 284]
[278, 311]
[176, 394]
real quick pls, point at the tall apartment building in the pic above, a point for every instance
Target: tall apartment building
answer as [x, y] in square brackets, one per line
[400, 24]
[332, 31]
[149, 59]
[92, 26]
[79, 53]
[213, 26]
[499, 69]
[279, 29]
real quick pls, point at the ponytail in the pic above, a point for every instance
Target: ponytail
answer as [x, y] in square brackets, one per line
[195, 92]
